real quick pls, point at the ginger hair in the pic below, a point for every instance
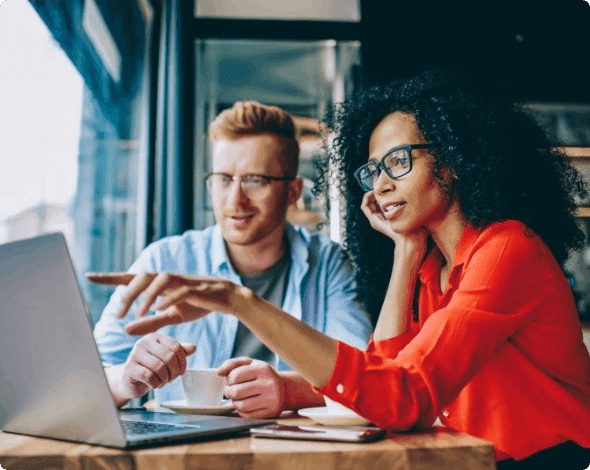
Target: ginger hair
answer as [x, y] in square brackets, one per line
[246, 118]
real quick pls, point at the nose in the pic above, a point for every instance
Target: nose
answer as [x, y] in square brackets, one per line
[384, 183]
[235, 195]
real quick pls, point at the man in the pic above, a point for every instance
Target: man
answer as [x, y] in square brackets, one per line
[255, 159]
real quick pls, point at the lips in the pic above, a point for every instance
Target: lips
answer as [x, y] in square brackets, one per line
[391, 209]
[239, 221]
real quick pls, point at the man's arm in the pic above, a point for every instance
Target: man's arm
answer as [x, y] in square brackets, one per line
[114, 378]
[135, 365]
[113, 342]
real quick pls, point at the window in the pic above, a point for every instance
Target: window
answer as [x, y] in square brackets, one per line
[41, 94]
[66, 166]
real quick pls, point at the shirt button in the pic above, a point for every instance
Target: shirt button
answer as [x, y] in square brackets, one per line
[446, 413]
[340, 388]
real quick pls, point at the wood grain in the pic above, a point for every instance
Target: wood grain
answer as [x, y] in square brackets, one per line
[439, 448]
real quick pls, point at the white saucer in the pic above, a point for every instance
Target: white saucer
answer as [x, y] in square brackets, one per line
[323, 416]
[180, 406]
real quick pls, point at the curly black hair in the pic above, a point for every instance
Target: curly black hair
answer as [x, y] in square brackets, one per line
[506, 167]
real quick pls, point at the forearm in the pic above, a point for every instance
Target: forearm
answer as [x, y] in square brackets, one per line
[113, 375]
[298, 392]
[396, 312]
[305, 349]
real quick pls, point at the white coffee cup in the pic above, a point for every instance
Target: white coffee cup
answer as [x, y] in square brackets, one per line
[338, 409]
[202, 387]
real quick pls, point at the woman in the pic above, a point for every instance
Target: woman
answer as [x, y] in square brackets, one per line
[477, 325]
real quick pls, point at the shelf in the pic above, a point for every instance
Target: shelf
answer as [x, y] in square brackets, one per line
[580, 158]
[583, 211]
[576, 152]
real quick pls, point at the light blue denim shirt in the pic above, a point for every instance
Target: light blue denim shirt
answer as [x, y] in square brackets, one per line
[321, 291]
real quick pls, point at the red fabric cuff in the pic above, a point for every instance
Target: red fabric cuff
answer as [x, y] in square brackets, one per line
[390, 347]
[338, 385]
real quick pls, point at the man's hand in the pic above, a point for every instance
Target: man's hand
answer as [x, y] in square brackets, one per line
[180, 297]
[154, 361]
[254, 387]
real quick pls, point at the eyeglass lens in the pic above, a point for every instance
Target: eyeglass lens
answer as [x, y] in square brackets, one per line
[252, 186]
[395, 164]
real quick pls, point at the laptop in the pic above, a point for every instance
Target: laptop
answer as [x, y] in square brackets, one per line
[52, 382]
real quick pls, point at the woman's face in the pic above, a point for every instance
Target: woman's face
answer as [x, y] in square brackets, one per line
[415, 200]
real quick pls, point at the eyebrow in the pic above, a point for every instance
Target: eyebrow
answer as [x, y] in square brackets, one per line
[397, 147]
[378, 158]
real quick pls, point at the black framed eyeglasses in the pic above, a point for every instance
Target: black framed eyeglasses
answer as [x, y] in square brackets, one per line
[253, 186]
[396, 163]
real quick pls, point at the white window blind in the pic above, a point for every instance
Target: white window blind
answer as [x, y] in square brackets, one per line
[336, 10]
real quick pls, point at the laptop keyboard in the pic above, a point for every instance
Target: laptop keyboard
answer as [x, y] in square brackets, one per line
[142, 427]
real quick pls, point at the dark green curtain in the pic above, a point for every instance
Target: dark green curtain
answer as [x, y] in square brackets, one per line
[170, 193]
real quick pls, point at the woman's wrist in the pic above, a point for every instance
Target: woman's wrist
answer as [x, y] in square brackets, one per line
[243, 302]
[408, 256]
[406, 265]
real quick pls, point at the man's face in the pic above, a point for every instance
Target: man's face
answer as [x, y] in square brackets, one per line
[257, 218]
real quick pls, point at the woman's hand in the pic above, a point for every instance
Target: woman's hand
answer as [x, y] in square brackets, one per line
[411, 244]
[410, 249]
[180, 298]
[376, 218]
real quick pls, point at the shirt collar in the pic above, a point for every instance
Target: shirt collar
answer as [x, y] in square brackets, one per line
[466, 241]
[299, 247]
[219, 255]
[430, 270]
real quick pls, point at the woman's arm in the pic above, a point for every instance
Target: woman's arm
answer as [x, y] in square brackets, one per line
[394, 318]
[410, 249]
[182, 298]
[305, 349]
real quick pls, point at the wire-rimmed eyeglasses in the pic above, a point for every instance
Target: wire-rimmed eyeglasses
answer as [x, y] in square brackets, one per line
[396, 163]
[253, 186]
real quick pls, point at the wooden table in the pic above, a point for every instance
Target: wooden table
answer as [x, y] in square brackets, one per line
[439, 449]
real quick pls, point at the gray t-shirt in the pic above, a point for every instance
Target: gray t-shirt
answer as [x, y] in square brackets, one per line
[271, 285]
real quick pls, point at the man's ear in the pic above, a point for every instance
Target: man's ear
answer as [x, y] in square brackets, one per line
[295, 190]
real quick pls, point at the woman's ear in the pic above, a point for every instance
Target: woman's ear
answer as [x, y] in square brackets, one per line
[447, 178]
[447, 174]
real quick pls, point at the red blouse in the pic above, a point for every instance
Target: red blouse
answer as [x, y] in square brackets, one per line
[498, 355]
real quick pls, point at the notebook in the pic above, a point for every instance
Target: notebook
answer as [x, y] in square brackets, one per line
[52, 382]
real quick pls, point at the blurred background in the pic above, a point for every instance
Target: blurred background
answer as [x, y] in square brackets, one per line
[104, 104]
